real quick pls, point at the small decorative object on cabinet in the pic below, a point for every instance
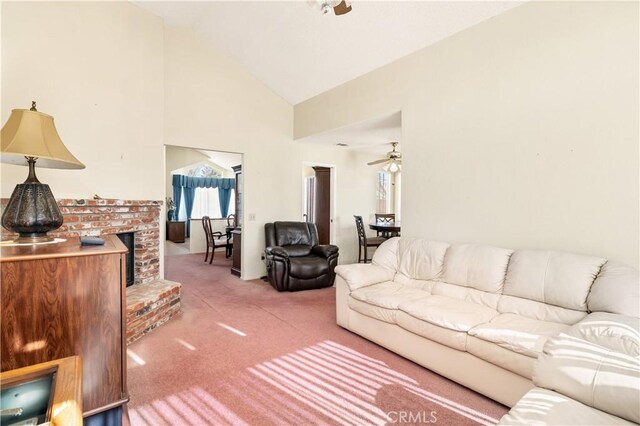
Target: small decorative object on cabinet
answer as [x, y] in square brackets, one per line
[72, 303]
[46, 393]
[176, 231]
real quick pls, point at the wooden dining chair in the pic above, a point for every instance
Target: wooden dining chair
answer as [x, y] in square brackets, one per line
[385, 218]
[365, 242]
[215, 240]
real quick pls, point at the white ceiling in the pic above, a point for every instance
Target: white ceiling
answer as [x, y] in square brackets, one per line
[300, 53]
[373, 135]
[223, 159]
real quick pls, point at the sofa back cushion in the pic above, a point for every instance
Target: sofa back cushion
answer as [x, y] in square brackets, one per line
[421, 259]
[386, 255]
[616, 290]
[476, 266]
[555, 278]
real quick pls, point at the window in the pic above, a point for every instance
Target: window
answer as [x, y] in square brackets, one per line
[383, 192]
[207, 203]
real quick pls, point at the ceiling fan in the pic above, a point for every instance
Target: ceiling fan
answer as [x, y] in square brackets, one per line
[340, 7]
[393, 162]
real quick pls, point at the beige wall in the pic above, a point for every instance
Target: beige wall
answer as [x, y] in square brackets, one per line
[521, 131]
[121, 86]
[98, 69]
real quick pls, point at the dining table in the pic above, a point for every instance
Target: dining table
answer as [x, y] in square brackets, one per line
[391, 229]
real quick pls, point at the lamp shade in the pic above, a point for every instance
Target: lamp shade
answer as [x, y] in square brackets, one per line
[33, 134]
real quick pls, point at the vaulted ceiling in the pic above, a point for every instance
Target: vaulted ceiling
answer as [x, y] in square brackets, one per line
[298, 52]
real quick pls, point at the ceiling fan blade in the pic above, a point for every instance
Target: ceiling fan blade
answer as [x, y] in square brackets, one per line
[378, 162]
[342, 8]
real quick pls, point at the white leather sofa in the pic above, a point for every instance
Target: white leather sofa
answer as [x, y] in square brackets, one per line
[481, 315]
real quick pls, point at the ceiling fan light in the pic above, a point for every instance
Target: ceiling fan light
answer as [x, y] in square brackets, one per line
[394, 167]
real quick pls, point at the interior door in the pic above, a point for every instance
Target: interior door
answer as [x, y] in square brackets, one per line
[322, 203]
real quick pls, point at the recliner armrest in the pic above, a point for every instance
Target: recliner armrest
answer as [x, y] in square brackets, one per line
[276, 251]
[325, 250]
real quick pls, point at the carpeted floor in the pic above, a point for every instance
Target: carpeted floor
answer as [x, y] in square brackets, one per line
[243, 354]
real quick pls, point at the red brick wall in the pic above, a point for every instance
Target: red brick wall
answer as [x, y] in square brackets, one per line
[99, 217]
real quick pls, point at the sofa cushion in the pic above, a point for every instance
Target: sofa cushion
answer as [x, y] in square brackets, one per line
[519, 334]
[538, 310]
[445, 336]
[545, 407]
[469, 294]
[478, 266]
[457, 315]
[497, 355]
[421, 259]
[373, 311]
[616, 290]
[362, 275]
[388, 294]
[560, 279]
[386, 255]
[573, 364]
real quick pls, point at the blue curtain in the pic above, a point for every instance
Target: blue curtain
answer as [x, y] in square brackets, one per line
[224, 196]
[189, 195]
[177, 195]
[189, 184]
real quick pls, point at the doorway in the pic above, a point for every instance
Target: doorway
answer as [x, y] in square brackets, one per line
[318, 201]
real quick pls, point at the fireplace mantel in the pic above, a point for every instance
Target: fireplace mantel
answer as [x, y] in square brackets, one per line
[91, 217]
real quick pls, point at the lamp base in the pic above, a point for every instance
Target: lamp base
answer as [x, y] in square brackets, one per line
[31, 212]
[33, 238]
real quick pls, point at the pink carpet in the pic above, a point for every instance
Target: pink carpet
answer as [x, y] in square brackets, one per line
[243, 354]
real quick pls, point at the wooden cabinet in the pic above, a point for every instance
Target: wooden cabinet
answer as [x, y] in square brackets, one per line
[237, 251]
[238, 194]
[176, 231]
[60, 300]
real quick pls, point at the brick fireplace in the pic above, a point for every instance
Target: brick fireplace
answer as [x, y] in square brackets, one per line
[150, 301]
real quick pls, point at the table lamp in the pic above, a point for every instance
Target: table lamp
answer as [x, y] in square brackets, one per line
[32, 210]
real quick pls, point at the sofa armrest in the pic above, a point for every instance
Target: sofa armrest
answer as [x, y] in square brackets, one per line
[362, 275]
[326, 250]
[596, 362]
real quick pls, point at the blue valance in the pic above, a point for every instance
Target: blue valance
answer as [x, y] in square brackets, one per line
[203, 182]
[187, 185]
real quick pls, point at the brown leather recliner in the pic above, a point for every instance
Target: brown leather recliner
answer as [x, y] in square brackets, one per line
[295, 260]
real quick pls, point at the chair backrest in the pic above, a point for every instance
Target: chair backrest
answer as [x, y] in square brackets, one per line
[385, 217]
[362, 235]
[231, 220]
[206, 224]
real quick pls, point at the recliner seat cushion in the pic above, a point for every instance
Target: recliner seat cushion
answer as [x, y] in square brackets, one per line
[519, 334]
[308, 266]
[297, 250]
[457, 315]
